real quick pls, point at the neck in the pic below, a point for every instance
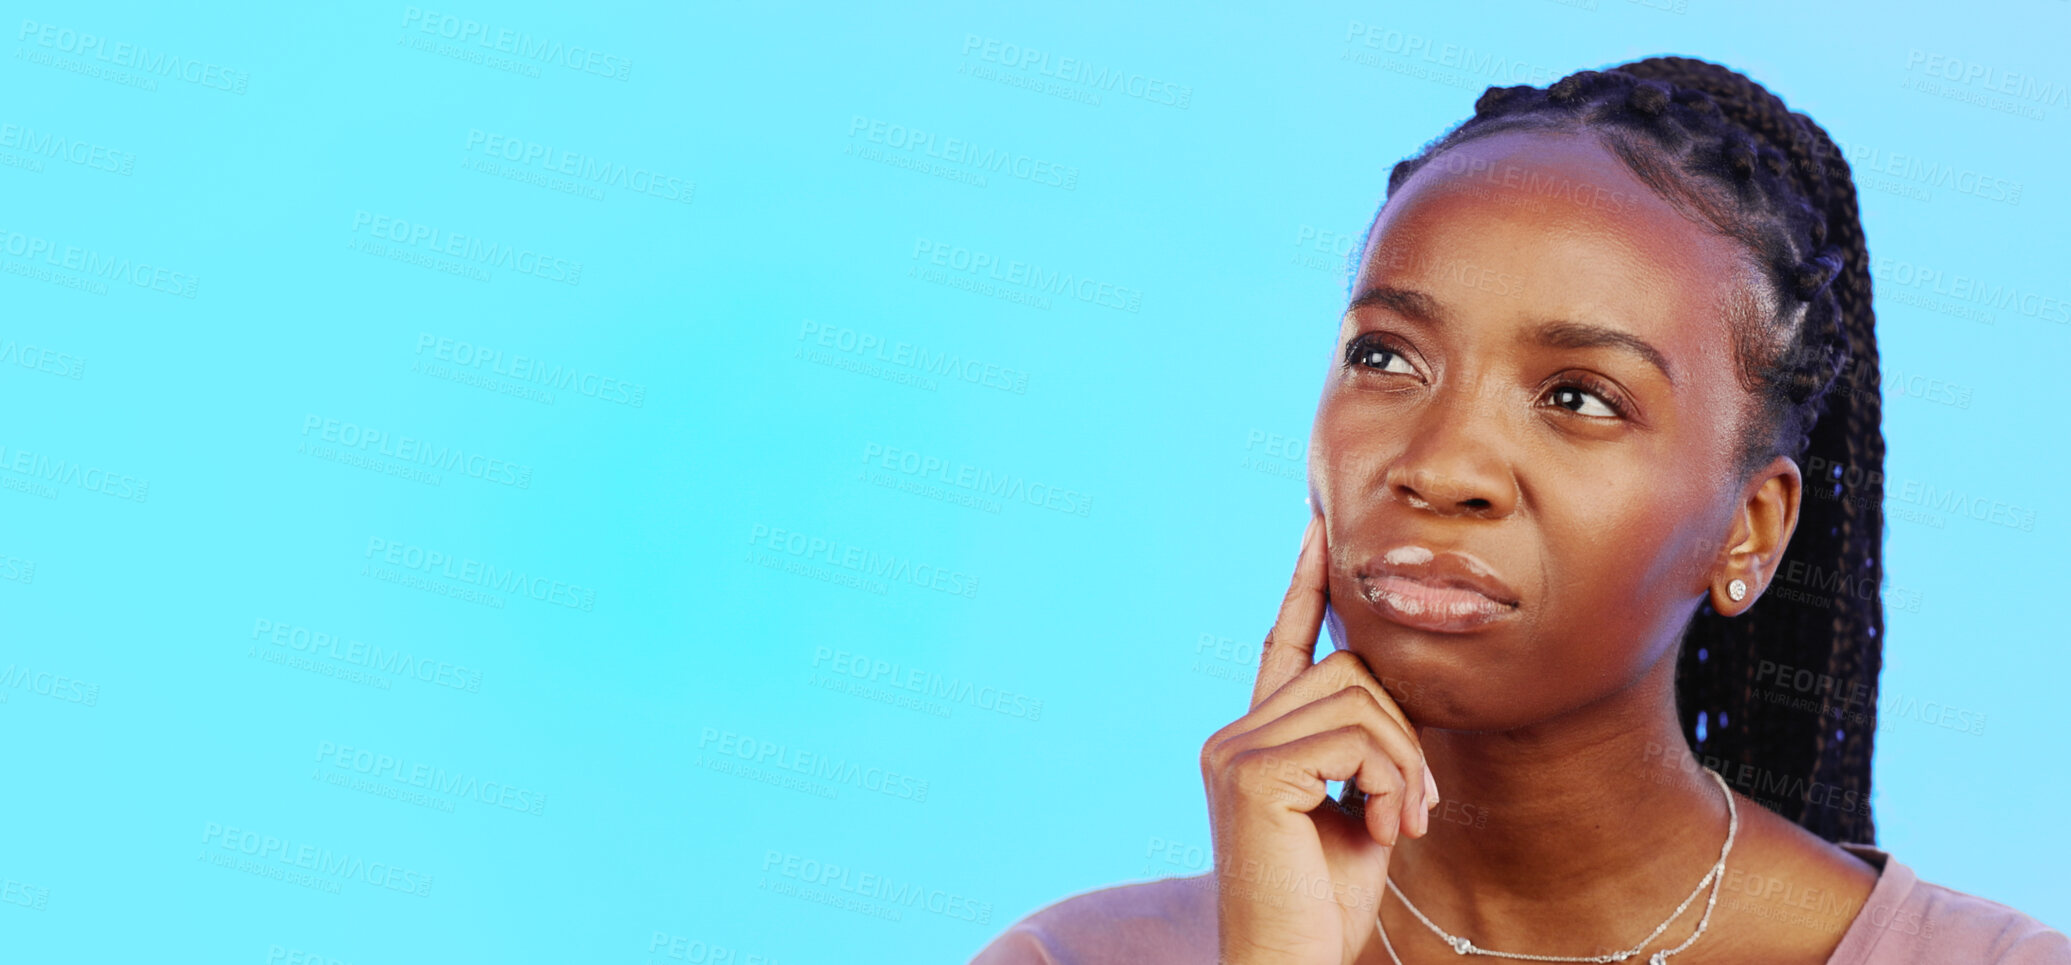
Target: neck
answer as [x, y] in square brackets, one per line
[1571, 837]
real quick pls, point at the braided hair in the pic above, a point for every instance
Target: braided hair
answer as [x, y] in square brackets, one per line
[1721, 148]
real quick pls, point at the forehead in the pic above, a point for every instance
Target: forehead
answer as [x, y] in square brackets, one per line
[1561, 221]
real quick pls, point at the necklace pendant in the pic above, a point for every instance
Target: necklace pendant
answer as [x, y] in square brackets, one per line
[1658, 958]
[1461, 946]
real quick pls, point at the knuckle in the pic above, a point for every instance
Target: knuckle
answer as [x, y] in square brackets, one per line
[1266, 762]
[1369, 742]
[1248, 765]
[1363, 697]
[1389, 785]
[1340, 662]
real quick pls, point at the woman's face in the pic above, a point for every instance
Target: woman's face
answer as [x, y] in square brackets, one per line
[1536, 392]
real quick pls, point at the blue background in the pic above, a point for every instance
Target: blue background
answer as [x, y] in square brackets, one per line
[195, 344]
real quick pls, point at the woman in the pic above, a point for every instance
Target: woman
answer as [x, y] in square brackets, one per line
[1593, 335]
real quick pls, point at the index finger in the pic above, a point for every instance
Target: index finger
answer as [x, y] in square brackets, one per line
[1290, 646]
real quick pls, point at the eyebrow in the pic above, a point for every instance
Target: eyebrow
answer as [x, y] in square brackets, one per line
[1401, 301]
[1555, 333]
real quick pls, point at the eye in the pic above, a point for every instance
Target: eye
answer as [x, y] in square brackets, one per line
[1370, 352]
[1580, 395]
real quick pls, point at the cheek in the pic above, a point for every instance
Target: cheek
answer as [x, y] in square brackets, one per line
[1335, 481]
[1610, 551]
[1321, 450]
[1338, 453]
[1319, 477]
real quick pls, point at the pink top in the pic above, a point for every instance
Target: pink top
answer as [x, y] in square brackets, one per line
[1171, 921]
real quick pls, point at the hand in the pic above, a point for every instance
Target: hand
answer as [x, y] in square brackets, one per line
[1299, 876]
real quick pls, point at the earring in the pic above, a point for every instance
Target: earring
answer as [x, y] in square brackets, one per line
[1737, 590]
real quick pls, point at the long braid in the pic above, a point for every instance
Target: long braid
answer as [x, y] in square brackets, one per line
[1721, 147]
[1838, 536]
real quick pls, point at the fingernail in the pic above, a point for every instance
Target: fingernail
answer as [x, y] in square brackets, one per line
[1430, 789]
[1309, 532]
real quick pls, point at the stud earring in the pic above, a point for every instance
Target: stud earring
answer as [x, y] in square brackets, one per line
[1737, 590]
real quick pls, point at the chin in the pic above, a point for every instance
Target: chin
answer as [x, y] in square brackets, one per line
[1433, 678]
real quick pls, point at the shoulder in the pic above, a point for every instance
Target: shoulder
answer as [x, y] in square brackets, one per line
[1994, 932]
[1170, 920]
[1907, 920]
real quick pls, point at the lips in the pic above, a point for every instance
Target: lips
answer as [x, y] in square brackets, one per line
[1444, 592]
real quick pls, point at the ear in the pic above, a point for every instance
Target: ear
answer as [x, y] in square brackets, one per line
[1761, 530]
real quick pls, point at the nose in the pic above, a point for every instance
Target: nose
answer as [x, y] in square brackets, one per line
[1453, 463]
